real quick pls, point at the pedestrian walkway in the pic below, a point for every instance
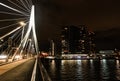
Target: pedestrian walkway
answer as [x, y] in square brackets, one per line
[9, 66]
[17, 71]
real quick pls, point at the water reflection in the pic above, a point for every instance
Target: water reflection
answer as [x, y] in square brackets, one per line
[83, 70]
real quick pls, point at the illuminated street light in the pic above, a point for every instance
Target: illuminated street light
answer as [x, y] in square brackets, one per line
[22, 23]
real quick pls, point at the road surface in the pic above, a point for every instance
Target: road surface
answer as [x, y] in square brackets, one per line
[21, 72]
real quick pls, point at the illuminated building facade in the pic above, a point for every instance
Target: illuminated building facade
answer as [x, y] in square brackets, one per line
[77, 40]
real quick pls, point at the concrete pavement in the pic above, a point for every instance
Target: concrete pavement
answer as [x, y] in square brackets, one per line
[17, 71]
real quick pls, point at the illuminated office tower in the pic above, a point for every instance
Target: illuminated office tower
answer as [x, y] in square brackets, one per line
[76, 40]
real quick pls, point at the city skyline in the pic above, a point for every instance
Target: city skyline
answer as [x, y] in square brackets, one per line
[102, 17]
[60, 40]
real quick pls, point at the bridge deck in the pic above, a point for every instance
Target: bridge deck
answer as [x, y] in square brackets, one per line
[17, 71]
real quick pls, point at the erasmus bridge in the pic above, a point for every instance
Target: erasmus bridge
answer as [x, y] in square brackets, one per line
[18, 45]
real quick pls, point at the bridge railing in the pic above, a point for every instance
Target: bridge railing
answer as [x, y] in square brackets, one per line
[33, 78]
[44, 74]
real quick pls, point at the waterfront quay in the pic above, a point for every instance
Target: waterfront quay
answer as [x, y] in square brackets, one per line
[83, 67]
[84, 56]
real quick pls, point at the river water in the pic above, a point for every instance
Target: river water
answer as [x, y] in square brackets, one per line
[83, 70]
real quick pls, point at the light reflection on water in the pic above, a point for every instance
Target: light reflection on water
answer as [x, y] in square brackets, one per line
[83, 70]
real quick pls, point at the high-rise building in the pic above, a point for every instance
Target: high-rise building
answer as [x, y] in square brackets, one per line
[76, 40]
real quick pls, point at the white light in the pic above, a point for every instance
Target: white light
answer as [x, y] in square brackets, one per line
[2, 40]
[66, 28]
[50, 57]
[3, 56]
[22, 23]
[103, 55]
[17, 57]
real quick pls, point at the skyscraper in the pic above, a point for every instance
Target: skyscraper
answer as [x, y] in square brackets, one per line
[76, 39]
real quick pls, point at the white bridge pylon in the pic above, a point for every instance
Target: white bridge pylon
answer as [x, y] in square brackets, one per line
[31, 28]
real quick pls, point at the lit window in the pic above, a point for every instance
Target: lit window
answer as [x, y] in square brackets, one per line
[65, 28]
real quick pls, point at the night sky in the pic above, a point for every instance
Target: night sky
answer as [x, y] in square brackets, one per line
[100, 16]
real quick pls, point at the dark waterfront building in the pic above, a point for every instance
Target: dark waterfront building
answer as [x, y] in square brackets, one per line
[77, 40]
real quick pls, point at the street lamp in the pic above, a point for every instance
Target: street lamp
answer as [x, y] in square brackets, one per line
[22, 23]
